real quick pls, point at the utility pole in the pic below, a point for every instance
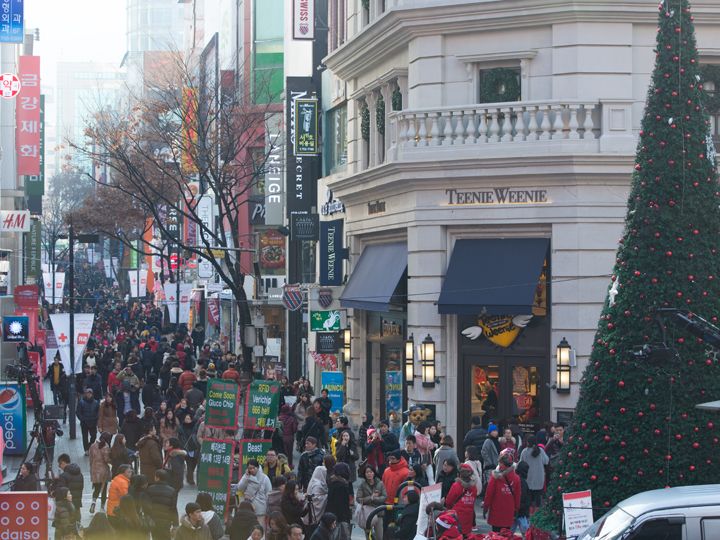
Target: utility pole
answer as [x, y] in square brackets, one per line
[71, 305]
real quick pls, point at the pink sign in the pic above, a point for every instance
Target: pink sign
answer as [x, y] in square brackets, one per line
[27, 126]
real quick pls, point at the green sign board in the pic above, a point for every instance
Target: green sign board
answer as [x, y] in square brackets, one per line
[325, 321]
[306, 127]
[222, 404]
[253, 449]
[33, 246]
[214, 471]
[261, 406]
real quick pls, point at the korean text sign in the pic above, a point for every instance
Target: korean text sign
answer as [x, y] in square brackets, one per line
[27, 127]
[214, 471]
[222, 403]
[11, 21]
[261, 409]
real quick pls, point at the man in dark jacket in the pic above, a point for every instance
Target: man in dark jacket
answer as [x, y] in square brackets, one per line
[407, 521]
[312, 457]
[88, 409]
[162, 505]
[71, 477]
[94, 382]
[390, 442]
[477, 434]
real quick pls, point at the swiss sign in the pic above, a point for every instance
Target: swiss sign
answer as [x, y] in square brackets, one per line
[9, 85]
[14, 220]
[292, 297]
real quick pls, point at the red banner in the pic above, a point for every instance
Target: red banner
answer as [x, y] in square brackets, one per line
[213, 310]
[27, 114]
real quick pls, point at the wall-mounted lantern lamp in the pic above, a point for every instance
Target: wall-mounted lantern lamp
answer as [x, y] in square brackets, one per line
[427, 361]
[410, 360]
[562, 367]
[346, 346]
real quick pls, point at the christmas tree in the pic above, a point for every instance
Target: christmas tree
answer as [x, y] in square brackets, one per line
[636, 426]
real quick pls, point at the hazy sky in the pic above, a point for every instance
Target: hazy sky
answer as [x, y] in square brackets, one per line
[76, 30]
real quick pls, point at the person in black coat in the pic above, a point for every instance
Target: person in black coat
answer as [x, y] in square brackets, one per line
[390, 442]
[406, 526]
[126, 392]
[26, 481]
[175, 462]
[151, 393]
[72, 478]
[340, 493]
[132, 428]
[477, 434]
[58, 381]
[94, 382]
[65, 520]
[242, 522]
[328, 522]
[161, 505]
[88, 411]
[313, 428]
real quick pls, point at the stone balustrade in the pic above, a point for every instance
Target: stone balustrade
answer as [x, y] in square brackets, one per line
[479, 125]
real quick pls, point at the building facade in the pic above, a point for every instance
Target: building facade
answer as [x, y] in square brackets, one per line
[484, 170]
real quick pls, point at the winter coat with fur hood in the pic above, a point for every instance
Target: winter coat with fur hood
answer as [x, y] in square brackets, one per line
[502, 498]
[461, 498]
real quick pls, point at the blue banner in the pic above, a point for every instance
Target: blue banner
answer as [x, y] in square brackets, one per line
[11, 21]
[331, 252]
[334, 382]
[393, 392]
[12, 418]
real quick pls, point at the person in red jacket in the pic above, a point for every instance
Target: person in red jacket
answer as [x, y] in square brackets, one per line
[186, 380]
[502, 498]
[394, 475]
[461, 498]
[231, 373]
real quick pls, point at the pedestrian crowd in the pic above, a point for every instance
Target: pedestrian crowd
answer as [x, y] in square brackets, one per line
[141, 410]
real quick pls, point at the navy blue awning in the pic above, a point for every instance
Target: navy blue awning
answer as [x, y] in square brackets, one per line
[375, 277]
[498, 276]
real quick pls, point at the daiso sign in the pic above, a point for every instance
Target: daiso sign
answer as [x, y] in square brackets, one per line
[23, 515]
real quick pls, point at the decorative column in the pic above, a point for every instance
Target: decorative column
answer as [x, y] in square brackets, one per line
[371, 101]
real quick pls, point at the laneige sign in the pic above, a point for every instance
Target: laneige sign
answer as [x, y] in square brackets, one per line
[497, 196]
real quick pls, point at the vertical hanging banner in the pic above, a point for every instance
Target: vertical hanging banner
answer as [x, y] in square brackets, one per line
[334, 383]
[214, 471]
[33, 245]
[262, 404]
[303, 19]
[185, 296]
[171, 300]
[58, 286]
[306, 127]
[12, 19]
[83, 330]
[12, 409]
[332, 252]
[222, 404]
[302, 171]
[213, 311]
[35, 184]
[27, 117]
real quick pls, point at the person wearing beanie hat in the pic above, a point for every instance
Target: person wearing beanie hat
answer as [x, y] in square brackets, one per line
[448, 521]
[461, 498]
[192, 524]
[490, 451]
[502, 497]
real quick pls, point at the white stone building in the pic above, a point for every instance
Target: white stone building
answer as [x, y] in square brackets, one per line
[460, 207]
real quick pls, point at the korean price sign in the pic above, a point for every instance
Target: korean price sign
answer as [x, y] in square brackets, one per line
[222, 404]
[253, 449]
[261, 408]
[214, 471]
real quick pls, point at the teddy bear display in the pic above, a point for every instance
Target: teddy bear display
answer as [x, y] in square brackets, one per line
[415, 415]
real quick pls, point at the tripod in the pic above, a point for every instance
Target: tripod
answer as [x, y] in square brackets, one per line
[25, 374]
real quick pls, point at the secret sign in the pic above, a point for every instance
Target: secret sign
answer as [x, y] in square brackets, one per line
[327, 342]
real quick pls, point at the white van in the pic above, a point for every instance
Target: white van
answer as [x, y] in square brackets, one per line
[679, 513]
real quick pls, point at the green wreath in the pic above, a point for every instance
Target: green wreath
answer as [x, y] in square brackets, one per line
[397, 100]
[711, 73]
[365, 123]
[380, 115]
[499, 85]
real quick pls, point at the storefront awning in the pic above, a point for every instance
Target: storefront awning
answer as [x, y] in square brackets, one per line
[375, 277]
[498, 276]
